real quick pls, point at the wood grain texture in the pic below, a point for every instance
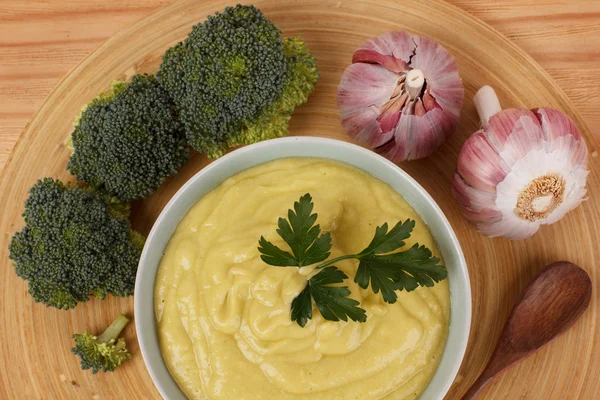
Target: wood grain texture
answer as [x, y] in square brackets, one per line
[41, 40]
[34, 352]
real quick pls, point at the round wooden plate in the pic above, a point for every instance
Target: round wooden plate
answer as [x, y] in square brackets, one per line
[35, 360]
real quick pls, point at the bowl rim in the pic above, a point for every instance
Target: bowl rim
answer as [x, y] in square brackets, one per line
[303, 146]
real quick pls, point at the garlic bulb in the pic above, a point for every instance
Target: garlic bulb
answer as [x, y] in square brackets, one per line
[523, 169]
[401, 95]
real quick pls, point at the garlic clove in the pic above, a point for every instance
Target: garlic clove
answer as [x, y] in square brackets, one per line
[473, 199]
[412, 122]
[429, 102]
[513, 133]
[480, 164]
[441, 73]
[416, 136]
[397, 45]
[556, 124]
[364, 86]
[387, 122]
[513, 124]
[419, 108]
[367, 128]
[372, 57]
[391, 112]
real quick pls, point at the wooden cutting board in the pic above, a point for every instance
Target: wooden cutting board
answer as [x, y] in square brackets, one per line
[35, 360]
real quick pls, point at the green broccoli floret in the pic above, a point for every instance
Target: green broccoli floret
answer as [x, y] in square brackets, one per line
[103, 352]
[77, 242]
[128, 140]
[301, 77]
[235, 81]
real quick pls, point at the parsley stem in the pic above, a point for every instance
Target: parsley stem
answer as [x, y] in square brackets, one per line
[334, 260]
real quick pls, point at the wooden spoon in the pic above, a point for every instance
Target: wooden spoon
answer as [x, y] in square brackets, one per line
[551, 304]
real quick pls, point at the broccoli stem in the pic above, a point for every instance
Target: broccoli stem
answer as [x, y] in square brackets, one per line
[113, 331]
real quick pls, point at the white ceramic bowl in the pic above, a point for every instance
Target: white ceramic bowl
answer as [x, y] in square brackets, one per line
[250, 156]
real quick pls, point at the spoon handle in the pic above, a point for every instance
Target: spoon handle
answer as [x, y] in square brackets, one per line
[501, 359]
[477, 387]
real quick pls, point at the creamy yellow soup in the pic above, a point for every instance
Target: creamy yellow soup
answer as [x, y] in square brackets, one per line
[223, 315]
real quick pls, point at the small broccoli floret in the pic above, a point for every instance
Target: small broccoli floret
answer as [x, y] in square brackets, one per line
[301, 77]
[103, 352]
[128, 140]
[225, 73]
[77, 243]
[302, 74]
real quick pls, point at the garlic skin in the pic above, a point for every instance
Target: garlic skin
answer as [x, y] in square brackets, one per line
[401, 95]
[522, 170]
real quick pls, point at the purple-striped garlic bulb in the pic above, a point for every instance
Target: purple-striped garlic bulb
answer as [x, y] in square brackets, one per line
[522, 170]
[401, 95]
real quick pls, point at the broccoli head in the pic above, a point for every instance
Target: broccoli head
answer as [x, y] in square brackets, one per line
[103, 352]
[77, 242]
[128, 140]
[234, 79]
[300, 81]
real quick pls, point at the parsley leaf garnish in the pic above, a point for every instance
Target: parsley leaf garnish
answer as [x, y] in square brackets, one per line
[301, 234]
[405, 270]
[332, 301]
[378, 267]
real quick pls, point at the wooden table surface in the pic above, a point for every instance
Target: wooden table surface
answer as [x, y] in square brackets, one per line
[41, 40]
